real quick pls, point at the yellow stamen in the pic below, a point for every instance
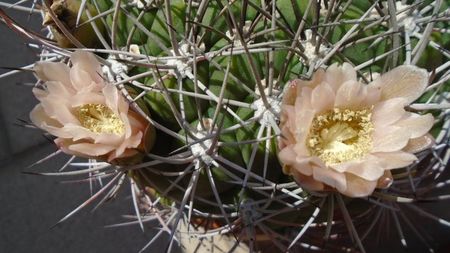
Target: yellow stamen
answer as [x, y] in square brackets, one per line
[99, 118]
[341, 135]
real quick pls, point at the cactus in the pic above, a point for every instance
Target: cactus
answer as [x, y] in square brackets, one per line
[212, 75]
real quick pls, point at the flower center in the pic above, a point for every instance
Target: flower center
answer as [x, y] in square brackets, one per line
[340, 135]
[99, 118]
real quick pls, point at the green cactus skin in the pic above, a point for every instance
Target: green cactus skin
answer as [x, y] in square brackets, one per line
[213, 30]
[241, 52]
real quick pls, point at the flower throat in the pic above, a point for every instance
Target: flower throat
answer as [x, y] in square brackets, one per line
[98, 118]
[340, 135]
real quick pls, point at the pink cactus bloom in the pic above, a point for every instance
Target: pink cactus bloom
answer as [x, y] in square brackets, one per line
[89, 117]
[339, 134]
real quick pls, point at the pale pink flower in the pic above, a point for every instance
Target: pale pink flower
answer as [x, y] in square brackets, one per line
[89, 117]
[340, 134]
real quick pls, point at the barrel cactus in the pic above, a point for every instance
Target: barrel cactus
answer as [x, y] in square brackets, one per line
[214, 78]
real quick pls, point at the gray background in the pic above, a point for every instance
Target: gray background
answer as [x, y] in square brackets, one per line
[30, 205]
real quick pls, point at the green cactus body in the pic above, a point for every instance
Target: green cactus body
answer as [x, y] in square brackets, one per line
[214, 35]
[215, 76]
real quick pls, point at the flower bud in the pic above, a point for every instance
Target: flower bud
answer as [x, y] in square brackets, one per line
[67, 11]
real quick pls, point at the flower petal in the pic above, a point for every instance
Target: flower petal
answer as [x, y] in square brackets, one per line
[405, 81]
[137, 121]
[58, 89]
[303, 120]
[56, 108]
[330, 177]
[87, 62]
[368, 169]
[305, 165]
[286, 138]
[358, 187]
[349, 95]
[388, 112]
[287, 116]
[90, 149]
[63, 143]
[322, 98]
[80, 78]
[307, 182]
[373, 95]
[113, 98]
[39, 93]
[40, 118]
[316, 79]
[337, 75]
[287, 127]
[53, 71]
[290, 93]
[80, 133]
[288, 157]
[417, 125]
[128, 131]
[81, 99]
[419, 144]
[303, 100]
[130, 143]
[390, 139]
[395, 160]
